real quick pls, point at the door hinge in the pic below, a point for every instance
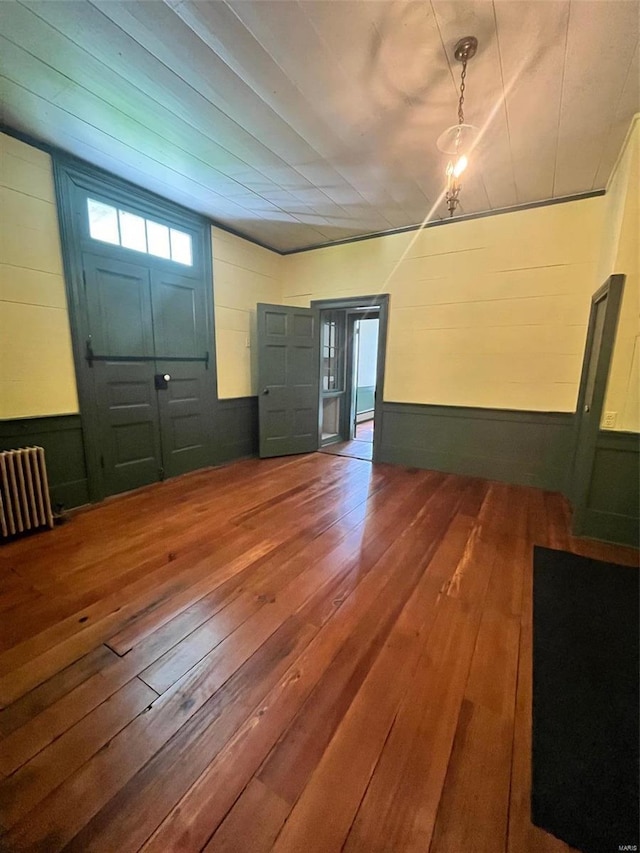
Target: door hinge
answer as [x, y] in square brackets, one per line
[161, 473]
[84, 280]
[101, 461]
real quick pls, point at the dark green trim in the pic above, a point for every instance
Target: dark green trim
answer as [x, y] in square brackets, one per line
[612, 507]
[587, 424]
[61, 437]
[475, 412]
[382, 301]
[71, 177]
[628, 442]
[38, 424]
[55, 151]
[522, 447]
[448, 221]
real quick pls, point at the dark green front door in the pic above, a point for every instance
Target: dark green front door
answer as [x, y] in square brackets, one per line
[147, 354]
[288, 379]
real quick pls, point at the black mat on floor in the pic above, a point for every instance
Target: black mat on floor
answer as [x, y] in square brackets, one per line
[585, 701]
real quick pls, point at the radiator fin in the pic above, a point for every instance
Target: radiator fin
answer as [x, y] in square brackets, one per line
[24, 491]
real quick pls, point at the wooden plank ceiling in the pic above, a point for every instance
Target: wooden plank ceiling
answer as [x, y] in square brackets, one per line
[300, 123]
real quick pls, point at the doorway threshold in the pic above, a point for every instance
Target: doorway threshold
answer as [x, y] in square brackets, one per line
[354, 449]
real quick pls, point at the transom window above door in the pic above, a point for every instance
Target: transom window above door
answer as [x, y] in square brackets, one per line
[120, 228]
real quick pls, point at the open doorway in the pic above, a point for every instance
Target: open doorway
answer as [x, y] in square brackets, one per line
[365, 358]
[352, 341]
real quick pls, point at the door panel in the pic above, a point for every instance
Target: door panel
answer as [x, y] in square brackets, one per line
[186, 416]
[288, 376]
[119, 322]
[128, 423]
[179, 315]
[118, 307]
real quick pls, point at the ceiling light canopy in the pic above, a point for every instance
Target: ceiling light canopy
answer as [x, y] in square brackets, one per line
[458, 140]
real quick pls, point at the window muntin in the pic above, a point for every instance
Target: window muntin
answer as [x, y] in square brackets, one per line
[332, 350]
[120, 228]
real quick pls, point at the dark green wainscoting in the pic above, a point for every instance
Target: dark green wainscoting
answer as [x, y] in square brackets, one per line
[235, 436]
[528, 448]
[236, 428]
[612, 510]
[61, 437]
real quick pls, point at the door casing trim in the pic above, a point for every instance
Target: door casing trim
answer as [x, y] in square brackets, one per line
[71, 174]
[583, 457]
[369, 301]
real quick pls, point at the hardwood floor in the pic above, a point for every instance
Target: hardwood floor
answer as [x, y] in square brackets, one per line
[309, 653]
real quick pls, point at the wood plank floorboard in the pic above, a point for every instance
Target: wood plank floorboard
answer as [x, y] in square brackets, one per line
[310, 653]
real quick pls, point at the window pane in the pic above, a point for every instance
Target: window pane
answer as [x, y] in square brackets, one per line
[103, 222]
[181, 247]
[132, 231]
[158, 239]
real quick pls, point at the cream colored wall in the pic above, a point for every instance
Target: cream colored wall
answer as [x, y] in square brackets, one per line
[489, 312]
[37, 375]
[621, 254]
[243, 274]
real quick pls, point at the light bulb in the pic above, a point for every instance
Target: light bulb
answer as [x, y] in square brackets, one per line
[460, 166]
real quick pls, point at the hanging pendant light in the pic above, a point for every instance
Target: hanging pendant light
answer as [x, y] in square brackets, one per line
[457, 141]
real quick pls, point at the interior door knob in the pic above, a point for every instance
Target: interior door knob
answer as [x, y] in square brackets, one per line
[587, 408]
[266, 391]
[167, 377]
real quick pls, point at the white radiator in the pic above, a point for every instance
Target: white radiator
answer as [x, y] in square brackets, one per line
[24, 491]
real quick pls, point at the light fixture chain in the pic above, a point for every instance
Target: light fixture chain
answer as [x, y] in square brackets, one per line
[462, 86]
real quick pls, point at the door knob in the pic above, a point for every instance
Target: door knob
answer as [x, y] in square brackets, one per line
[167, 377]
[266, 391]
[587, 408]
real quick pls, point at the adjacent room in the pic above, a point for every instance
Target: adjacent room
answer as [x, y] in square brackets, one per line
[319, 425]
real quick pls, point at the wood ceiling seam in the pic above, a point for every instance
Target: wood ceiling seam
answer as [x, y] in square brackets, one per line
[612, 123]
[104, 133]
[504, 100]
[210, 141]
[189, 21]
[191, 205]
[348, 79]
[115, 73]
[302, 95]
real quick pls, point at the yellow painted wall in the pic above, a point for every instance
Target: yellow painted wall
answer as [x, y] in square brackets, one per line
[489, 312]
[621, 254]
[37, 375]
[243, 274]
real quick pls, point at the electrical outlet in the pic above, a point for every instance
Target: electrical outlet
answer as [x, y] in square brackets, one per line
[609, 420]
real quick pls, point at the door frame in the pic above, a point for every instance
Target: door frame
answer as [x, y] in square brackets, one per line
[584, 451]
[380, 300]
[70, 176]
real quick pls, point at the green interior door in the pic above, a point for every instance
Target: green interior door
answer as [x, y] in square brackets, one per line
[288, 379]
[118, 300]
[186, 404]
